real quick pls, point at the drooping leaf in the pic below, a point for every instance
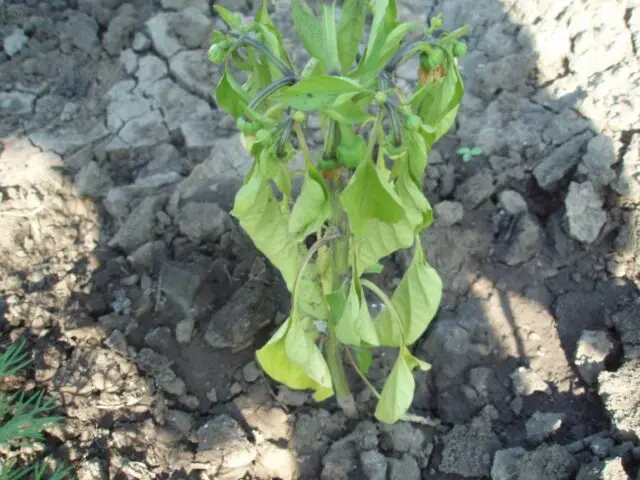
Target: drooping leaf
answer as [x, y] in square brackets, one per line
[417, 153]
[418, 210]
[310, 299]
[273, 40]
[230, 18]
[309, 29]
[317, 92]
[330, 36]
[416, 299]
[398, 390]
[370, 196]
[230, 96]
[348, 113]
[302, 350]
[365, 359]
[384, 20]
[337, 301]
[350, 31]
[355, 326]
[276, 363]
[312, 207]
[261, 217]
[394, 41]
[379, 239]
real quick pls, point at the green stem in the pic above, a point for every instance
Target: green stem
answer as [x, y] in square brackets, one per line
[280, 65]
[387, 303]
[303, 143]
[269, 89]
[362, 375]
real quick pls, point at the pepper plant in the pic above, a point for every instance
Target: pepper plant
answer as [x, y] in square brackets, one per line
[362, 193]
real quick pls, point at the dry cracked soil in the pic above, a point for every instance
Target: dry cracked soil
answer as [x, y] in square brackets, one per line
[121, 265]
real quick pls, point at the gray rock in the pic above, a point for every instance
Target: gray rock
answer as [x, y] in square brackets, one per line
[125, 108]
[92, 181]
[180, 283]
[448, 213]
[14, 42]
[83, 31]
[592, 350]
[222, 443]
[165, 44]
[181, 421]
[293, 398]
[542, 425]
[488, 386]
[184, 330]
[141, 43]
[506, 463]
[158, 338]
[195, 73]
[16, 103]
[150, 69]
[252, 308]
[524, 241]
[139, 227]
[627, 184]
[66, 139]
[177, 105]
[625, 321]
[340, 463]
[144, 131]
[551, 462]
[618, 391]
[512, 202]
[374, 465]
[403, 468]
[96, 10]
[597, 162]
[251, 372]
[148, 255]
[476, 189]
[118, 342]
[191, 27]
[119, 33]
[203, 222]
[507, 74]
[469, 449]
[584, 215]
[527, 382]
[405, 438]
[129, 61]
[169, 382]
[447, 180]
[565, 126]
[601, 446]
[199, 137]
[553, 170]
[449, 348]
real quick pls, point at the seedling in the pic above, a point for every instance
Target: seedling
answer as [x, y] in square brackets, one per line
[362, 194]
[467, 153]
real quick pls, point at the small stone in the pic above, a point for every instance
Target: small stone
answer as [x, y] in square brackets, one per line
[158, 338]
[120, 31]
[552, 172]
[601, 446]
[448, 213]
[542, 425]
[16, 103]
[203, 222]
[476, 189]
[141, 43]
[374, 465]
[506, 463]
[405, 438]
[148, 255]
[551, 462]
[584, 215]
[527, 382]
[591, 353]
[293, 398]
[15, 42]
[512, 202]
[184, 330]
[129, 61]
[191, 27]
[251, 372]
[600, 157]
[404, 468]
[159, 29]
[139, 227]
[523, 242]
[625, 322]
[169, 382]
[212, 395]
[92, 181]
[276, 462]
[235, 389]
[117, 341]
[181, 421]
[516, 405]
[222, 442]
[180, 283]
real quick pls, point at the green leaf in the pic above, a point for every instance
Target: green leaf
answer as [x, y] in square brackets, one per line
[274, 359]
[273, 40]
[365, 359]
[418, 210]
[462, 151]
[374, 269]
[261, 217]
[370, 196]
[350, 31]
[417, 153]
[312, 207]
[309, 29]
[416, 300]
[398, 390]
[230, 18]
[313, 93]
[337, 301]
[330, 36]
[349, 113]
[384, 20]
[230, 96]
[393, 41]
[476, 151]
[355, 326]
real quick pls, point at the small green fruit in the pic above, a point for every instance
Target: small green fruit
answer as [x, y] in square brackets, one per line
[218, 52]
[326, 164]
[432, 60]
[299, 116]
[459, 49]
[350, 156]
[246, 126]
[381, 98]
[414, 122]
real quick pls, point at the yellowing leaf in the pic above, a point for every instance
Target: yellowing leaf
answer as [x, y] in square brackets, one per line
[370, 196]
[355, 326]
[275, 362]
[312, 207]
[416, 299]
[261, 217]
[398, 390]
[317, 92]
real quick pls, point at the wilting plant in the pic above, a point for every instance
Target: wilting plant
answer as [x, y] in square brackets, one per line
[362, 194]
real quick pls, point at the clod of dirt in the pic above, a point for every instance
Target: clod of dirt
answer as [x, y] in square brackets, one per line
[506, 463]
[542, 425]
[403, 468]
[591, 354]
[584, 214]
[527, 382]
[374, 465]
[551, 462]
[203, 222]
[223, 444]
[448, 213]
[627, 326]
[620, 397]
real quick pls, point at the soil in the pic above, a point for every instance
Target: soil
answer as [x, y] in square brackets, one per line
[143, 302]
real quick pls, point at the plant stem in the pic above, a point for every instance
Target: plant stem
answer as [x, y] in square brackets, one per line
[269, 89]
[344, 396]
[280, 65]
[362, 375]
[303, 143]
